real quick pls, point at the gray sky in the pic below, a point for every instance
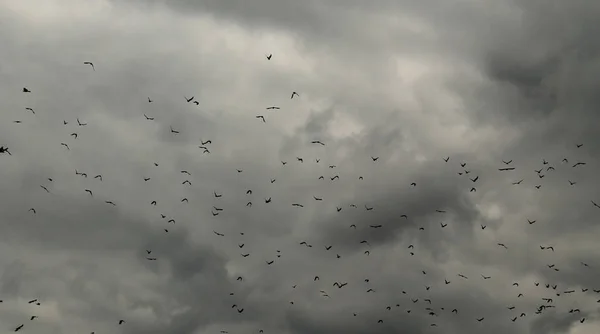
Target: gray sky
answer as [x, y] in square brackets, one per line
[409, 82]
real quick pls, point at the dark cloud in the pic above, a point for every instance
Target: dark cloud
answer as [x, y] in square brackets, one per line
[410, 83]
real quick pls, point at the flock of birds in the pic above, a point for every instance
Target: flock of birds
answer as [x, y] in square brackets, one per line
[414, 299]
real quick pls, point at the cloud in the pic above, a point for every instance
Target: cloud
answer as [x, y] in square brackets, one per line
[409, 83]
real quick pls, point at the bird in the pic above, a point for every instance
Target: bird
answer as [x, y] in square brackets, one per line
[188, 100]
[294, 93]
[317, 142]
[273, 108]
[4, 150]
[261, 117]
[26, 90]
[90, 63]
[446, 159]
[149, 118]
[507, 162]
[269, 56]
[374, 158]
[80, 124]
[89, 192]
[506, 169]
[173, 131]
[19, 327]
[32, 111]
[518, 182]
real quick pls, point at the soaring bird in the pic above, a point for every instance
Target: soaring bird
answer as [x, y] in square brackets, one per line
[89, 63]
[294, 93]
[261, 117]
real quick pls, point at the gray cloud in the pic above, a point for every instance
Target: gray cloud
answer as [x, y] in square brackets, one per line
[410, 83]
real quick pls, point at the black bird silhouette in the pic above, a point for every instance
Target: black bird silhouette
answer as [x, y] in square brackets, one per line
[91, 64]
[375, 158]
[317, 142]
[189, 100]
[505, 169]
[446, 159]
[80, 124]
[19, 327]
[269, 56]
[475, 179]
[298, 205]
[89, 192]
[173, 131]
[294, 93]
[579, 145]
[121, 322]
[273, 108]
[217, 195]
[268, 200]
[261, 117]
[300, 159]
[219, 234]
[4, 150]
[32, 111]
[518, 182]
[26, 90]
[579, 164]
[507, 162]
[149, 118]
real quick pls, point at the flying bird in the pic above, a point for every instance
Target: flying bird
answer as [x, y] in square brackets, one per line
[294, 93]
[261, 117]
[89, 63]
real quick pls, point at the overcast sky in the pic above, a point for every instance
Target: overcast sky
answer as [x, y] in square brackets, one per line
[410, 82]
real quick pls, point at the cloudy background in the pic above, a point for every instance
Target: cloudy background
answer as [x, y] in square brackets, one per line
[407, 81]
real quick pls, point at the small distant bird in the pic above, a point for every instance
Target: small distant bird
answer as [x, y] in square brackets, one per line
[317, 142]
[294, 93]
[261, 117]
[273, 108]
[30, 110]
[25, 90]
[149, 118]
[505, 169]
[269, 56]
[446, 159]
[89, 63]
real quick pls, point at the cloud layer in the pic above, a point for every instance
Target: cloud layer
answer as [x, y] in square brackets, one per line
[392, 88]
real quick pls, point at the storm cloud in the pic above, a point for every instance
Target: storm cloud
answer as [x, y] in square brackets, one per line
[392, 88]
